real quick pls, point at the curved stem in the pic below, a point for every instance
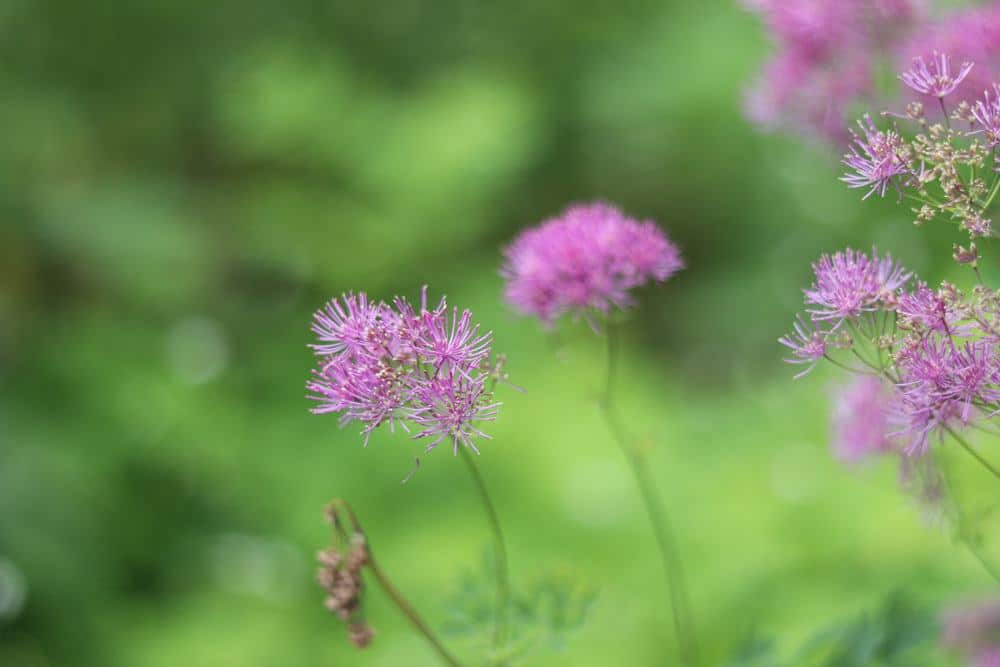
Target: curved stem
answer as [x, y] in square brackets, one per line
[499, 555]
[978, 555]
[401, 602]
[976, 455]
[679, 601]
[967, 541]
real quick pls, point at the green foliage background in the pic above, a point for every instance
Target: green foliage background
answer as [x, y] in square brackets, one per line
[182, 183]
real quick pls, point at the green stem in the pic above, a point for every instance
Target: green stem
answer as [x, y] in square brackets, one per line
[401, 602]
[499, 556]
[976, 455]
[680, 603]
[967, 541]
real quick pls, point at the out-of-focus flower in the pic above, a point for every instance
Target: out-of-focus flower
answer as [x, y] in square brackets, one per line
[861, 419]
[827, 55]
[587, 259]
[876, 159]
[381, 364]
[974, 631]
[849, 283]
[936, 79]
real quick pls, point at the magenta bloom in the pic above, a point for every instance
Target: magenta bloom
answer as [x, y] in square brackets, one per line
[974, 631]
[986, 112]
[588, 259]
[826, 59]
[861, 420]
[875, 159]
[924, 309]
[968, 35]
[807, 343]
[849, 283]
[381, 364]
[942, 379]
[937, 79]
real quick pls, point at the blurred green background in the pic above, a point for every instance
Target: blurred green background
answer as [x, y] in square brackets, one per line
[183, 183]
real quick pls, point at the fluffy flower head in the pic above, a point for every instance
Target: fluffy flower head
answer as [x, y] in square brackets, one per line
[380, 364]
[875, 159]
[588, 258]
[849, 283]
[937, 79]
[861, 424]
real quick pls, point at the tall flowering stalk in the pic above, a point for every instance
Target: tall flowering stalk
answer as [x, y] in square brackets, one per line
[429, 371]
[937, 351]
[928, 357]
[585, 263]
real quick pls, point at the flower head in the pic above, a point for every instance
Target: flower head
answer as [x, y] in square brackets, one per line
[589, 258]
[807, 343]
[849, 283]
[826, 59]
[936, 79]
[875, 159]
[861, 424]
[942, 381]
[381, 364]
[923, 308]
[986, 114]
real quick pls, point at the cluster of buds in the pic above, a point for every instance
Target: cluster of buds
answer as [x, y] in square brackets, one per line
[339, 575]
[947, 168]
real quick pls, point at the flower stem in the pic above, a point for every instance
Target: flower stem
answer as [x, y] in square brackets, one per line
[679, 601]
[401, 602]
[499, 554]
[976, 455]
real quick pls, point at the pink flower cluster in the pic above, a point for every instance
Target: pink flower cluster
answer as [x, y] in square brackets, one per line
[862, 425]
[827, 55]
[381, 363]
[585, 261]
[933, 354]
[829, 52]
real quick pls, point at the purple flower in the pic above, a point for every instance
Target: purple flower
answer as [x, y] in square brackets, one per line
[973, 629]
[850, 283]
[861, 426]
[923, 308]
[937, 79]
[808, 344]
[971, 34]
[875, 159]
[381, 364]
[943, 380]
[343, 324]
[986, 113]
[588, 259]
[450, 406]
[827, 55]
